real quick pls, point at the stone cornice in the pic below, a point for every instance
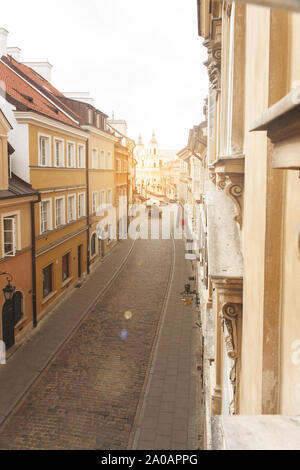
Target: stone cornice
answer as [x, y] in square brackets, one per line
[282, 123]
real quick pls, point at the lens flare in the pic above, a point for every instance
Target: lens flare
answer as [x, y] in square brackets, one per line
[128, 315]
[123, 334]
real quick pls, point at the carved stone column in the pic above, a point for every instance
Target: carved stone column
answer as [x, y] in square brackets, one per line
[230, 315]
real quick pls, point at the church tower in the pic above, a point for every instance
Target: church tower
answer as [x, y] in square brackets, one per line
[140, 148]
[153, 147]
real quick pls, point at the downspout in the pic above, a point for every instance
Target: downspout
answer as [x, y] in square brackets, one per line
[33, 261]
[87, 208]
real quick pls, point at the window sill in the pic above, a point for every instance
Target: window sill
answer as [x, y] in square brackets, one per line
[67, 281]
[49, 297]
[21, 322]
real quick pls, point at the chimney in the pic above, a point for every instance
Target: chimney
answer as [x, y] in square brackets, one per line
[42, 68]
[15, 52]
[3, 41]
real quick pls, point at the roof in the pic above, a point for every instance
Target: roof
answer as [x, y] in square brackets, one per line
[17, 188]
[27, 94]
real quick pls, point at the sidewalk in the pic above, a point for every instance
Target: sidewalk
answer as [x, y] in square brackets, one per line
[171, 408]
[31, 358]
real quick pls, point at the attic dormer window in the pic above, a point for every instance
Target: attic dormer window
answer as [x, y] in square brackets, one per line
[90, 116]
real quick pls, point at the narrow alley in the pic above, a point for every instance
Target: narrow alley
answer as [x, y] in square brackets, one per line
[126, 377]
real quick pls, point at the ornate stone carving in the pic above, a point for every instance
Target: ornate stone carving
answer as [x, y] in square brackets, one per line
[235, 190]
[221, 181]
[230, 314]
[214, 50]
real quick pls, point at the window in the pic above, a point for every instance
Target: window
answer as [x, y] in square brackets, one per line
[47, 280]
[95, 159]
[65, 267]
[59, 152]
[59, 211]
[98, 121]
[44, 151]
[119, 166]
[109, 197]
[93, 244]
[46, 219]
[109, 232]
[71, 208]
[102, 198]
[9, 236]
[125, 166]
[109, 161]
[81, 205]
[71, 155]
[102, 160]
[81, 156]
[94, 201]
[90, 117]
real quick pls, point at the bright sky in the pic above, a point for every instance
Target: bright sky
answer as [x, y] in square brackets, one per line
[142, 59]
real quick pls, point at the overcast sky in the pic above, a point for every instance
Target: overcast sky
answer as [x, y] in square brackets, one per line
[142, 59]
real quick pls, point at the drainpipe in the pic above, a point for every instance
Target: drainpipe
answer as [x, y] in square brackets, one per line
[33, 261]
[87, 208]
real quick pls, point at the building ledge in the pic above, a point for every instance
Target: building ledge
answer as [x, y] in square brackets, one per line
[255, 432]
[49, 297]
[67, 282]
[282, 123]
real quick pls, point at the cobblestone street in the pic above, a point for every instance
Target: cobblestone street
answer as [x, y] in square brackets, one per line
[88, 396]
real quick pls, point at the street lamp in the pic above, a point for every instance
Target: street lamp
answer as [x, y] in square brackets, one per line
[8, 290]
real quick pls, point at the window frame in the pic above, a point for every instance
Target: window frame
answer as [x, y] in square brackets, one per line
[93, 207]
[96, 245]
[63, 198]
[71, 143]
[51, 279]
[103, 204]
[67, 256]
[84, 208]
[69, 196]
[48, 162]
[110, 165]
[79, 146]
[50, 227]
[95, 152]
[110, 200]
[102, 160]
[62, 141]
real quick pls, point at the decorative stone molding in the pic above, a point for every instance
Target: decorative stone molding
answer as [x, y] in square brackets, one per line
[229, 292]
[230, 314]
[282, 123]
[221, 181]
[227, 173]
[235, 190]
[214, 50]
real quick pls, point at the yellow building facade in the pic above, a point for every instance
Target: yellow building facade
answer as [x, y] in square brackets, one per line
[17, 199]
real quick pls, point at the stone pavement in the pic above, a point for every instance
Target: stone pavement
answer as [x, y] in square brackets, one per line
[29, 360]
[90, 392]
[171, 405]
